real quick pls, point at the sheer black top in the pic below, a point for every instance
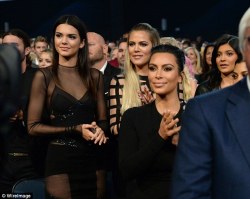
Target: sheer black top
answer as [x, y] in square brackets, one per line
[67, 99]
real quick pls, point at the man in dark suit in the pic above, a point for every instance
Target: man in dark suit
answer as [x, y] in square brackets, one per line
[17, 160]
[98, 51]
[213, 155]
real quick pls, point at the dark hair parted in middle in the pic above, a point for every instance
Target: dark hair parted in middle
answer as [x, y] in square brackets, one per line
[83, 63]
[178, 53]
[231, 40]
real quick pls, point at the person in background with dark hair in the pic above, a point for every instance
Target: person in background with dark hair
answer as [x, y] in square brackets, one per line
[185, 43]
[240, 71]
[213, 154]
[225, 55]
[73, 94]
[17, 161]
[207, 62]
[149, 134]
[122, 48]
[10, 78]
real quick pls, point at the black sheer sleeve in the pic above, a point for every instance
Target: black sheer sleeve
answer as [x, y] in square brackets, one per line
[36, 106]
[101, 119]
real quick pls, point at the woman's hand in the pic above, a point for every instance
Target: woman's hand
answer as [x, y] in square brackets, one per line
[168, 127]
[99, 135]
[145, 95]
[18, 116]
[92, 132]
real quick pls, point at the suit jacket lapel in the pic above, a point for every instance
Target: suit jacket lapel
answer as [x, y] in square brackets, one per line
[107, 70]
[238, 113]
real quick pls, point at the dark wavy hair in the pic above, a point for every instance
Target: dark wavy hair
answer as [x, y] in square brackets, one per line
[24, 37]
[82, 60]
[233, 41]
[206, 69]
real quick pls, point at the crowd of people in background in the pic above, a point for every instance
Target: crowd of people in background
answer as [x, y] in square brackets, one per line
[102, 119]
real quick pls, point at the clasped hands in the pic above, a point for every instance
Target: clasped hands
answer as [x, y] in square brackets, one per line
[145, 95]
[17, 116]
[92, 132]
[168, 127]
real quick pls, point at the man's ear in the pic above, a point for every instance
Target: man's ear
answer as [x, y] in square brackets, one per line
[105, 49]
[27, 51]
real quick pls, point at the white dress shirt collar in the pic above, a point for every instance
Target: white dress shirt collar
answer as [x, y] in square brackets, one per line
[104, 67]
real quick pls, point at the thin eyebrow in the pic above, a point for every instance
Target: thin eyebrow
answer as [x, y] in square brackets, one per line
[71, 34]
[167, 65]
[164, 65]
[227, 51]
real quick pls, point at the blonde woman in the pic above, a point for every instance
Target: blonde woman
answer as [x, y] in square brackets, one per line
[193, 54]
[124, 87]
[45, 58]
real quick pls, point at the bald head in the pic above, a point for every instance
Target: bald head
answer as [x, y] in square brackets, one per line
[93, 36]
[98, 50]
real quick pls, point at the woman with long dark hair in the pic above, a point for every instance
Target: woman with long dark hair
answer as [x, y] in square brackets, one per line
[149, 133]
[72, 92]
[225, 56]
